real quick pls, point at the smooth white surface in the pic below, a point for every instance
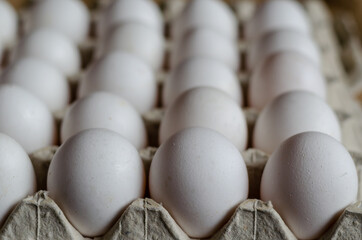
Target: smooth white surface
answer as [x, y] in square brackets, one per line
[281, 41]
[276, 15]
[200, 178]
[105, 110]
[52, 47]
[93, 177]
[121, 11]
[198, 72]
[291, 113]
[138, 39]
[70, 17]
[25, 118]
[206, 107]
[209, 44]
[124, 75]
[41, 79]
[215, 15]
[8, 24]
[17, 177]
[310, 179]
[284, 72]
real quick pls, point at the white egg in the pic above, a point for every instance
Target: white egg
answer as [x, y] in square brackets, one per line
[200, 178]
[201, 72]
[122, 74]
[138, 39]
[284, 72]
[310, 179]
[120, 11]
[70, 17]
[8, 23]
[276, 15]
[291, 113]
[209, 44]
[41, 79]
[53, 47]
[93, 177]
[206, 107]
[17, 177]
[105, 110]
[280, 41]
[25, 118]
[212, 14]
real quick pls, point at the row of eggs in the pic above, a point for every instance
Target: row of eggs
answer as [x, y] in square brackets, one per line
[207, 99]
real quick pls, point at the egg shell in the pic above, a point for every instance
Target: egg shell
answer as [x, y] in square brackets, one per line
[206, 43]
[211, 14]
[199, 177]
[206, 107]
[280, 41]
[70, 17]
[124, 75]
[25, 118]
[121, 11]
[53, 47]
[104, 110]
[93, 177]
[198, 72]
[130, 37]
[284, 72]
[310, 179]
[276, 15]
[17, 177]
[8, 23]
[41, 79]
[291, 113]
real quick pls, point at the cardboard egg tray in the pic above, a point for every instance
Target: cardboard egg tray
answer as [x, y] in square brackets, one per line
[39, 217]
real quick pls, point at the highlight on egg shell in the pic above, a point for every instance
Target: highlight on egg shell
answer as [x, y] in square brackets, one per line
[201, 72]
[291, 113]
[17, 176]
[122, 74]
[215, 15]
[104, 110]
[25, 118]
[283, 72]
[277, 15]
[206, 107]
[8, 24]
[199, 177]
[310, 179]
[93, 177]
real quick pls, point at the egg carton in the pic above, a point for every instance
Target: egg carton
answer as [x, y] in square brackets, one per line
[38, 216]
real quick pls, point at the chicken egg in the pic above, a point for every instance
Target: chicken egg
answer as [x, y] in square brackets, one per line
[310, 179]
[206, 107]
[122, 74]
[276, 15]
[198, 72]
[41, 79]
[93, 177]
[212, 14]
[280, 41]
[17, 177]
[284, 72]
[200, 178]
[130, 37]
[121, 11]
[104, 110]
[291, 113]
[53, 47]
[209, 44]
[25, 118]
[8, 23]
[70, 17]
